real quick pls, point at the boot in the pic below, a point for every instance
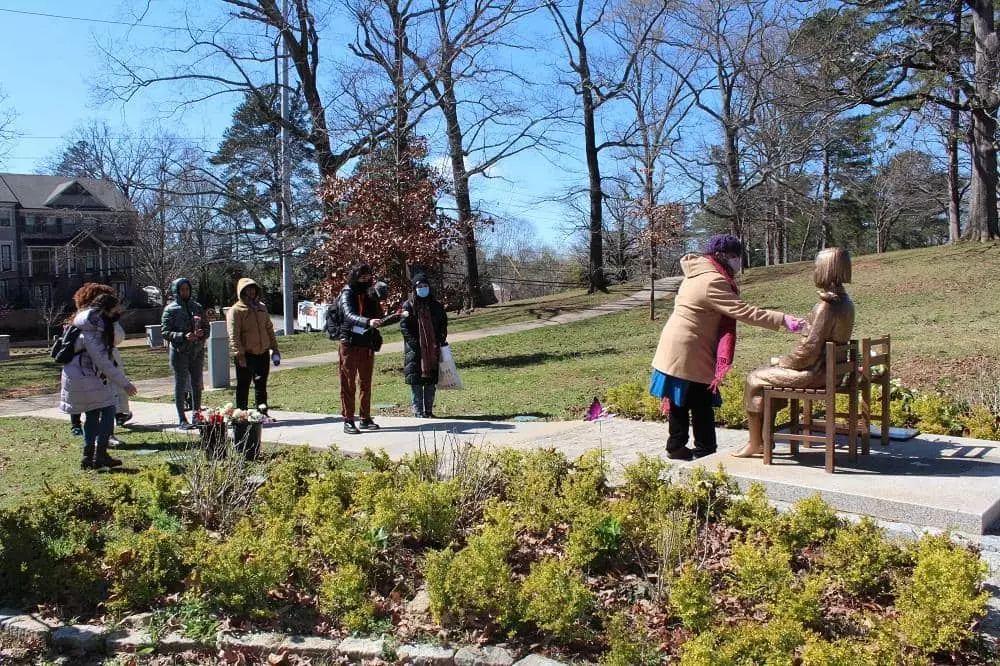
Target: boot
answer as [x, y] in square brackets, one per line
[102, 459]
[88, 457]
[756, 444]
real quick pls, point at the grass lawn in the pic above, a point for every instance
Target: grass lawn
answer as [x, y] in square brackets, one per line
[940, 305]
[31, 372]
[38, 452]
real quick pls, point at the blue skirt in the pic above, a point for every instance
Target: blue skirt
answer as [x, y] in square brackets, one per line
[666, 386]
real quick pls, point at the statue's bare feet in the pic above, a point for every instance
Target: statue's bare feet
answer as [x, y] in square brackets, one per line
[751, 449]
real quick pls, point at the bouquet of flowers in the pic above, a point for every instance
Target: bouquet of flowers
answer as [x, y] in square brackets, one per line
[228, 414]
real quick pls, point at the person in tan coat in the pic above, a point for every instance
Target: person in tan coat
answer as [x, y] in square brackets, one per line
[698, 342]
[251, 337]
[831, 320]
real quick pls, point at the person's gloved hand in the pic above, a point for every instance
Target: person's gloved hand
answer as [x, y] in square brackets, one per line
[276, 358]
[794, 324]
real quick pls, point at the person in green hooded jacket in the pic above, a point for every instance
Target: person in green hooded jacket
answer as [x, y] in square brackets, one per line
[186, 328]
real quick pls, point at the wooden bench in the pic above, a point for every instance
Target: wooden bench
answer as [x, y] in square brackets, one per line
[842, 378]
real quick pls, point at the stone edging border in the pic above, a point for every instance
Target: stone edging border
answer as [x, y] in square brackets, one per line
[85, 638]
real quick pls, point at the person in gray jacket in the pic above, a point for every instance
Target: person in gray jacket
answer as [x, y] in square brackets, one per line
[91, 380]
[186, 327]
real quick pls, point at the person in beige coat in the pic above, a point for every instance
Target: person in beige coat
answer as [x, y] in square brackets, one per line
[698, 342]
[251, 337]
[831, 320]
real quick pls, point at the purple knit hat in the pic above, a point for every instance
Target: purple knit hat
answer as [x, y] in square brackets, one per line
[724, 244]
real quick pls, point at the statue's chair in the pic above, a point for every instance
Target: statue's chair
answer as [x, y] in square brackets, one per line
[842, 378]
[875, 371]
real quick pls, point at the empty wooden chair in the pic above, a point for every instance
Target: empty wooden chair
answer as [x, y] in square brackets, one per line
[875, 371]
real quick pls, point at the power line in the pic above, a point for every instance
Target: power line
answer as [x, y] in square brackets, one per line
[85, 19]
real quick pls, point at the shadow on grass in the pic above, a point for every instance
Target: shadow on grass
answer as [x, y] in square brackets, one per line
[164, 445]
[522, 360]
[448, 427]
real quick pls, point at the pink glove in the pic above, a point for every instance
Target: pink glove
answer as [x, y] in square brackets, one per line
[794, 324]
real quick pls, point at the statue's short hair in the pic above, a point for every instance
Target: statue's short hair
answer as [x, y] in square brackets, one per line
[833, 268]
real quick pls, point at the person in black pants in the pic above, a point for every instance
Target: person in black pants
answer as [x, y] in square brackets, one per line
[251, 338]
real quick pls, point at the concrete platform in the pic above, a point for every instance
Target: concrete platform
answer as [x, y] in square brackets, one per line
[931, 480]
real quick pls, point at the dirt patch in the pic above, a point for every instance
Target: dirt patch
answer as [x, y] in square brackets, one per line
[26, 391]
[928, 372]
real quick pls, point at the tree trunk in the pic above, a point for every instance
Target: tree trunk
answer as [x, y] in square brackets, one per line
[463, 202]
[596, 253]
[826, 239]
[983, 204]
[954, 191]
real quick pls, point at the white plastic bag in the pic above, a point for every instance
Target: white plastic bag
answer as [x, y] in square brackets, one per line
[447, 371]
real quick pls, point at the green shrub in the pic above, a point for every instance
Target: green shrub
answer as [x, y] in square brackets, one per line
[534, 492]
[288, 480]
[760, 574]
[691, 598]
[343, 539]
[819, 652]
[748, 644]
[476, 583]
[593, 534]
[240, 572]
[629, 644]
[753, 513]
[733, 411]
[860, 559]
[343, 595]
[981, 423]
[555, 598]
[633, 401]
[811, 521]
[644, 479]
[702, 493]
[942, 597]
[802, 603]
[583, 489]
[938, 414]
[142, 568]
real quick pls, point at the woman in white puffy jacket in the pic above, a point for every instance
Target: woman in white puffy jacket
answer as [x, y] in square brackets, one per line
[92, 380]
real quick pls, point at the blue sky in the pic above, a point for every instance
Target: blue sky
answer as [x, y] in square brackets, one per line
[52, 63]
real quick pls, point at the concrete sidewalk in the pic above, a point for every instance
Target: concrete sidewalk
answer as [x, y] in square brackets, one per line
[161, 386]
[937, 481]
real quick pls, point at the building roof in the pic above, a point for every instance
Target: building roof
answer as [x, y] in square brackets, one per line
[32, 191]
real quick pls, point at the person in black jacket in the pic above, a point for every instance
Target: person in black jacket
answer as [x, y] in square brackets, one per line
[425, 331]
[361, 316]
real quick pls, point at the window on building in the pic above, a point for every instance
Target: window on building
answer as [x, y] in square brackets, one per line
[119, 260]
[90, 262]
[119, 289]
[4, 291]
[42, 261]
[7, 257]
[42, 294]
[5, 217]
[37, 223]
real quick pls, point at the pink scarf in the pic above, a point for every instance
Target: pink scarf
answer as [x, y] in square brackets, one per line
[725, 345]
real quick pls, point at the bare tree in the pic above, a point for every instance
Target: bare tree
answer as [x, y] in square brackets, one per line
[579, 23]
[7, 118]
[231, 58]
[905, 190]
[486, 108]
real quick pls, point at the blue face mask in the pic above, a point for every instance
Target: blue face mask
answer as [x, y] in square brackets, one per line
[423, 292]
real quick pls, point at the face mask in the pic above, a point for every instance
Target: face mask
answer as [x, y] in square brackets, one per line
[423, 292]
[735, 264]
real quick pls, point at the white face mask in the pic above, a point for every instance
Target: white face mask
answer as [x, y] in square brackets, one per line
[735, 264]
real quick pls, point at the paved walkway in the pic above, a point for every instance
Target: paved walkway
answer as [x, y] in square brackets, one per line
[160, 386]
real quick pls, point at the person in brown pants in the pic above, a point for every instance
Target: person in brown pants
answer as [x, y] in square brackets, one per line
[361, 316]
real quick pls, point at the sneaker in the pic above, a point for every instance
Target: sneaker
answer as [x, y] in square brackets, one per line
[430, 415]
[114, 441]
[87, 463]
[76, 431]
[368, 424]
[350, 428]
[184, 425]
[701, 453]
[122, 419]
[680, 454]
[102, 459]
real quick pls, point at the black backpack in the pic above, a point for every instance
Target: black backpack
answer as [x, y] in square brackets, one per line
[334, 320]
[64, 348]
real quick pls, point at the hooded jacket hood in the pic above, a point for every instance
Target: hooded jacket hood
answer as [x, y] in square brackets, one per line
[693, 265]
[89, 320]
[175, 288]
[243, 284]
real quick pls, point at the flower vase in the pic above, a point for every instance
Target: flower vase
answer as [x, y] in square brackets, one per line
[214, 439]
[246, 439]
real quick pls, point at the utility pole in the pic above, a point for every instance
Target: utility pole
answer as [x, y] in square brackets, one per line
[284, 249]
